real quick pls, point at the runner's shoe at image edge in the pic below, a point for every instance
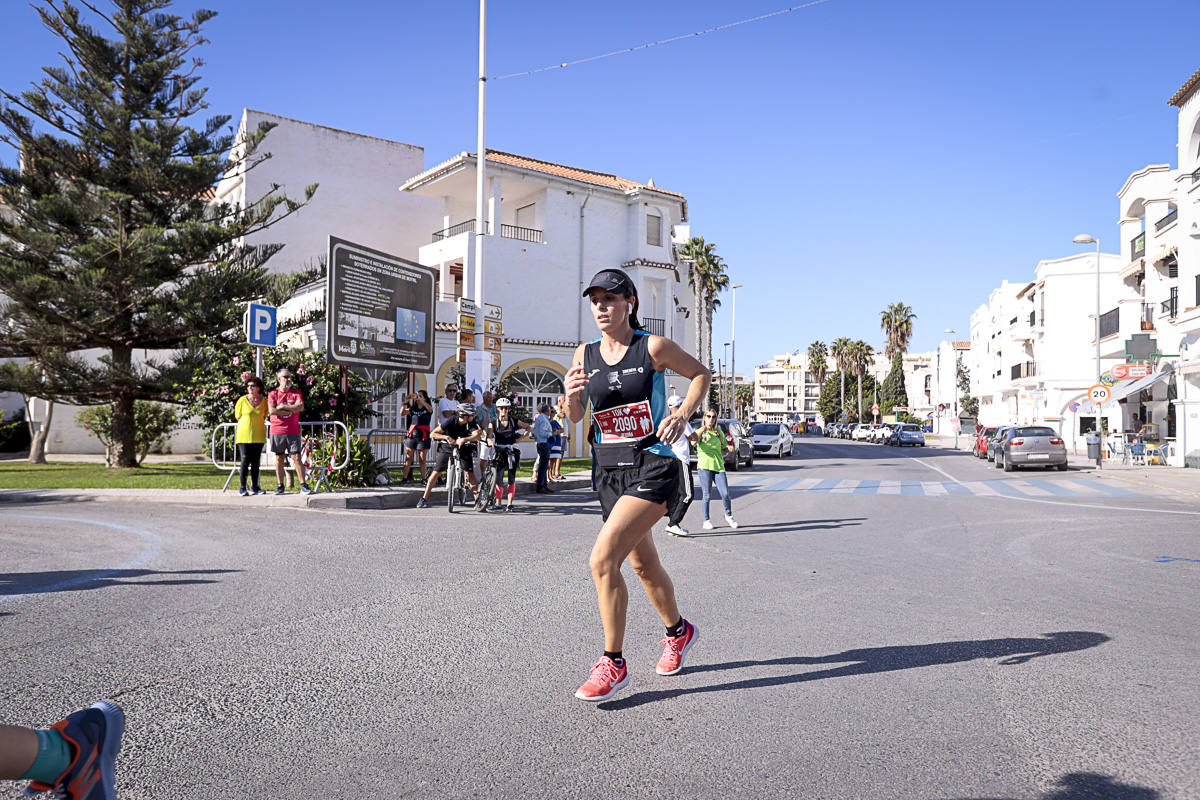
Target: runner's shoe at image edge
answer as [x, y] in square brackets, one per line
[604, 681]
[94, 735]
[675, 648]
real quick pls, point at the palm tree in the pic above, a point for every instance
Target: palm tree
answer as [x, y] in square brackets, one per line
[861, 355]
[841, 350]
[818, 354]
[699, 255]
[897, 322]
[715, 281]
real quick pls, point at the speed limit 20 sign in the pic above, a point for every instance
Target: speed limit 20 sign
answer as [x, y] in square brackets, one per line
[1099, 394]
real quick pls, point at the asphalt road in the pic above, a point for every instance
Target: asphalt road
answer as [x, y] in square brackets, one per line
[884, 624]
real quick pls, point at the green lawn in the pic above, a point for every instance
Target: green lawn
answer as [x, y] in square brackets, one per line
[82, 475]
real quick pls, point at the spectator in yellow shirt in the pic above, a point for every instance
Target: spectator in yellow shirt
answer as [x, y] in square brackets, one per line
[251, 415]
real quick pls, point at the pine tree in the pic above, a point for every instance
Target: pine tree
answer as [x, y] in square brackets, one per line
[109, 244]
[894, 393]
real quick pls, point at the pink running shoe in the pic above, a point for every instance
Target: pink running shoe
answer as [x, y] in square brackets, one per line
[605, 680]
[675, 648]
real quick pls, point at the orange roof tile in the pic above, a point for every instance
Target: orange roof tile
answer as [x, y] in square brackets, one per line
[573, 173]
[1185, 91]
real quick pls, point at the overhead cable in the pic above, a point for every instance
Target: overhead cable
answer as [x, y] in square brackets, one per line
[648, 45]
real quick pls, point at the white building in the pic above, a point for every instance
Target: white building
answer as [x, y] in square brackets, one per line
[550, 228]
[944, 395]
[785, 389]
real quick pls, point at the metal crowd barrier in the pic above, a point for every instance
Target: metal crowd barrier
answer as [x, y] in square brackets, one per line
[388, 443]
[224, 450]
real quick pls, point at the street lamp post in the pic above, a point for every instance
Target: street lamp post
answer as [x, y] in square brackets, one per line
[953, 394]
[733, 352]
[721, 385]
[1084, 238]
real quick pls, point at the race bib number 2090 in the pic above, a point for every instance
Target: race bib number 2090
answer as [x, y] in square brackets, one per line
[627, 423]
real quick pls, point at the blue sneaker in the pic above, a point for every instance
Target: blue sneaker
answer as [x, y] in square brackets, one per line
[279, 489]
[304, 489]
[94, 735]
[257, 492]
[242, 491]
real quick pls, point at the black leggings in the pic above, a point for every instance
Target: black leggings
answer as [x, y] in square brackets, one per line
[250, 454]
[506, 461]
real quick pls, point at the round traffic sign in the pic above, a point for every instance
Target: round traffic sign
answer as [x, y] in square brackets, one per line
[1099, 394]
[1073, 406]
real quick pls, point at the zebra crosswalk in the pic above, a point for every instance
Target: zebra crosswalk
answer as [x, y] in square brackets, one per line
[1030, 487]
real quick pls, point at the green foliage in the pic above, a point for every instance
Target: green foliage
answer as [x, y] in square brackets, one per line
[968, 406]
[221, 372]
[893, 392]
[14, 432]
[897, 322]
[153, 424]
[818, 355]
[362, 468]
[830, 403]
[111, 243]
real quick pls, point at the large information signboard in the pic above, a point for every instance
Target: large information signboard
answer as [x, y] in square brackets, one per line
[379, 309]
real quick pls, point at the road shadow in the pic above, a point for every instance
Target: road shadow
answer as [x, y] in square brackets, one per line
[865, 661]
[1088, 786]
[14, 583]
[783, 527]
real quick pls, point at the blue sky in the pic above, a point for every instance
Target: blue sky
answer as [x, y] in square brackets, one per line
[841, 157]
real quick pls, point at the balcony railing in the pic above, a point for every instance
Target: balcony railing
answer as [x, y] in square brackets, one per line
[1032, 318]
[1170, 306]
[1196, 175]
[1110, 323]
[1147, 319]
[507, 231]
[1138, 245]
[656, 326]
[1167, 220]
[1026, 370]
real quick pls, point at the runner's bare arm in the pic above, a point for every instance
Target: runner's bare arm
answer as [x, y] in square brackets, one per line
[665, 354]
[576, 386]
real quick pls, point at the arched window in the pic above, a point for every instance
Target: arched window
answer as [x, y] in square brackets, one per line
[534, 386]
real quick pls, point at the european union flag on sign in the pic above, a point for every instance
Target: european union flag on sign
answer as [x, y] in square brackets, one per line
[410, 325]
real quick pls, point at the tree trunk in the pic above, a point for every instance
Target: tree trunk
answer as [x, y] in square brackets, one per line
[860, 414]
[842, 407]
[124, 447]
[38, 436]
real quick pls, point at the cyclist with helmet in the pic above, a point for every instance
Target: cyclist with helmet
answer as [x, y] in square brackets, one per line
[620, 375]
[505, 432]
[461, 432]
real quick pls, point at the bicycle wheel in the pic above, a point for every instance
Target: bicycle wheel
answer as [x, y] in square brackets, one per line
[487, 487]
[453, 478]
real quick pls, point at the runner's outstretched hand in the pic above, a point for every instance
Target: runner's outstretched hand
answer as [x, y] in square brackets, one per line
[671, 428]
[576, 383]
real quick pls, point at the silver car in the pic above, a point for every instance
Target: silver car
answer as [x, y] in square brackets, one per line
[1031, 446]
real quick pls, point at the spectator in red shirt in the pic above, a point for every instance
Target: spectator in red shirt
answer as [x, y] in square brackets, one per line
[284, 405]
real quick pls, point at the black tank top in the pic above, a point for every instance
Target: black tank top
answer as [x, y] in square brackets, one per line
[628, 398]
[506, 434]
[421, 416]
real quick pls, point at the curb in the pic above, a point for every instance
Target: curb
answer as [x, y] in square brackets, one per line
[363, 499]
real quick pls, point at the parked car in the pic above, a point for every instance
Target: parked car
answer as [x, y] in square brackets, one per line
[997, 441]
[861, 431]
[980, 448]
[771, 438]
[1031, 446]
[907, 434]
[883, 433]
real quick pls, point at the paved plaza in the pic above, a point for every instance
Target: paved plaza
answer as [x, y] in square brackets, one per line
[884, 624]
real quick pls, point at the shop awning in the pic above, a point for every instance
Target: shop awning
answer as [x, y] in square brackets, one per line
[1127, 388]
[1133, 268]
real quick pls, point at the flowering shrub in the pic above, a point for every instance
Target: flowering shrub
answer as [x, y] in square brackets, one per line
[221, 374]
[362, 468]
[153, 424]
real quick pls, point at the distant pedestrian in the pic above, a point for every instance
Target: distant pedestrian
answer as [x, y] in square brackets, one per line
[284, 405]
[711, 447]
[419, 410]
[556, 445]
[74, 758]
[683, 451]
[485, 412]
[461, 434]
[448, 405]
[251, 415]
[542, 432]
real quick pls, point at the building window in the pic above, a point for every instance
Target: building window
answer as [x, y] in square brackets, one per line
[525, 216]
[654, 230]
[534, 386]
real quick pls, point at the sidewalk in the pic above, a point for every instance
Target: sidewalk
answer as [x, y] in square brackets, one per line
[376, 498]
[1161, 479]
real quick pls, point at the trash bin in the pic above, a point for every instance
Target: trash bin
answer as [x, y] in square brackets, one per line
[1093, 446]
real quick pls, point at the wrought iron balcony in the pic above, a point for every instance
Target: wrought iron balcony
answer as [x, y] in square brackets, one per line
[1138, 245]
[1171, 216]
[656, 326]
[1110, 323]
[454, 230]
[1170, 306]
[1025, 370]
[1147, 319]
[507, 231]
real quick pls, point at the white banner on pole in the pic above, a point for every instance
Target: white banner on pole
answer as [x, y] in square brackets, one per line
[479, 372]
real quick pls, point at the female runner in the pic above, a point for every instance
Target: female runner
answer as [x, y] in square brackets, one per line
[504, 432]
[621, 375]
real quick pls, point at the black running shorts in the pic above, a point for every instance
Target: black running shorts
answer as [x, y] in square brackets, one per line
[466, 453]
[652, 477]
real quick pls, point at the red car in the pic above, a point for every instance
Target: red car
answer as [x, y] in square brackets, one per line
[980, 448]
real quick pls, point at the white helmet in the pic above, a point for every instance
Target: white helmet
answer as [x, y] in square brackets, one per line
[503, 402]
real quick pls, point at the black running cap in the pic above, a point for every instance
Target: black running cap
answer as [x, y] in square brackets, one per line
[612, 280]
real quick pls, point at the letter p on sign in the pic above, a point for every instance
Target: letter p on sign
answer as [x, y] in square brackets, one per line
[260, 325]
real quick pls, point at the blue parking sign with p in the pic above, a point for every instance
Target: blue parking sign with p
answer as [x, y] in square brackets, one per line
[260, 325]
